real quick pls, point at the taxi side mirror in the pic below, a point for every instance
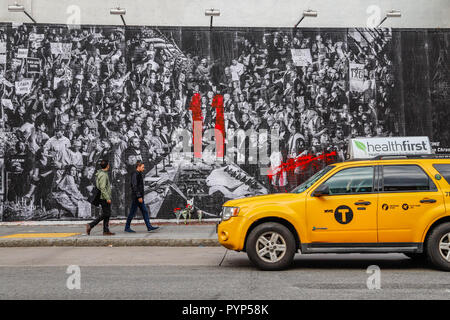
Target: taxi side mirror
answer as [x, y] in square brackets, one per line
[322, 190]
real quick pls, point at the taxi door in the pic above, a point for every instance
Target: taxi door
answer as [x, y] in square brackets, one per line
[407, 196]
[347, 210]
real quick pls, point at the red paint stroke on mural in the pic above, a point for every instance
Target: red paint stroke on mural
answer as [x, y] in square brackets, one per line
[197, 125]
[197, 129]
[220, 125]
[303, 163]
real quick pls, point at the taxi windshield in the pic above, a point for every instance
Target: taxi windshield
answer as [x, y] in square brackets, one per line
[308, 183]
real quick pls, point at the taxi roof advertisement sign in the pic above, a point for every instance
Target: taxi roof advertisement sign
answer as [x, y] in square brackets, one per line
[363, 148]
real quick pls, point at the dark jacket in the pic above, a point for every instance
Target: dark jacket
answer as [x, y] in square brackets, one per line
[137, 185]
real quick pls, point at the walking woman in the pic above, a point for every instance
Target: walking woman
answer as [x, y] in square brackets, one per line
[103, 184]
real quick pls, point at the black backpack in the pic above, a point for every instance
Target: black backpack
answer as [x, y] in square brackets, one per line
[94, 197]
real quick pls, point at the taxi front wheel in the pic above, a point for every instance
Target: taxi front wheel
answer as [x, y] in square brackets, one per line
[438, 247]
[271, 246]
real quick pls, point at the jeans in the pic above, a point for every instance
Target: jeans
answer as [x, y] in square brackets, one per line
[106, 214]
[134, 205]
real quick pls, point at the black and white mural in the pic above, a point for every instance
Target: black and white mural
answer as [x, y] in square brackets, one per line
[280, 104]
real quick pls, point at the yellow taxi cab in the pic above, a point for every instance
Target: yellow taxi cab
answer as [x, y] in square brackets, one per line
[388, 204]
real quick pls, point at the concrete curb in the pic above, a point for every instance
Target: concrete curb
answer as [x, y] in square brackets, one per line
[109, 242]
[111, 222]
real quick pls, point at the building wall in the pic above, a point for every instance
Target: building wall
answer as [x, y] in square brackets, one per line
[236, 13]
[393, 82]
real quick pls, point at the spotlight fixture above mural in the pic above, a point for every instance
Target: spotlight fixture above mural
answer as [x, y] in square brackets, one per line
[391, 14]
[20, 8]
[119, 11]
[212, 13]
[307, 13]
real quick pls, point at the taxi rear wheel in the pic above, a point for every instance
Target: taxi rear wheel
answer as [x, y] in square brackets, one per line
[438, 247]
[271, 246]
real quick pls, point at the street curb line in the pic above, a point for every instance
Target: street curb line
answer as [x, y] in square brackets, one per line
[117, 242]
[111, 222]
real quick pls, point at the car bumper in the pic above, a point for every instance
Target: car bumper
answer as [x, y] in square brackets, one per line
[230, 233]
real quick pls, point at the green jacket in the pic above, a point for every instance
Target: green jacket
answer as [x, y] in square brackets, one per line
[102, 183]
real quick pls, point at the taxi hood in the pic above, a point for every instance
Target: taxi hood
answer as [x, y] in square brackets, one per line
[260, 200]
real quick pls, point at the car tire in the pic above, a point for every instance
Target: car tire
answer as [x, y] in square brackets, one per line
[438, 247]
[271, 246]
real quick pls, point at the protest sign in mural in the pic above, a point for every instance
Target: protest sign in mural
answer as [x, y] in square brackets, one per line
[301, 57]
[357, 77]
[33, 65]
[23, 86]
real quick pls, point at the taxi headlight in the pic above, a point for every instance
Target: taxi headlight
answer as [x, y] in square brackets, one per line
[228, 212]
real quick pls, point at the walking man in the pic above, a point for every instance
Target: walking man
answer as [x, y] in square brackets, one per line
[102, 183]
[137, 196]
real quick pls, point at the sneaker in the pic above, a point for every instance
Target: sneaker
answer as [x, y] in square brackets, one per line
[129, 230]
[152, 228]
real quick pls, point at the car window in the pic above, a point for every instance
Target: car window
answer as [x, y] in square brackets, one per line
[444, 170]
[406, 178]
[351, 180]
[308, 183]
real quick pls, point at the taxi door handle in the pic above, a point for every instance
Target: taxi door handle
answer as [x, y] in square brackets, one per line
[427, 201]
[362, 203]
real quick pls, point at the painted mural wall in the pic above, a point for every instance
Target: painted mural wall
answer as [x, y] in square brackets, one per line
[214, 114]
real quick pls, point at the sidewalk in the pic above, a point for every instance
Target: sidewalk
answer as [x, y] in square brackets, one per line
[74, 235]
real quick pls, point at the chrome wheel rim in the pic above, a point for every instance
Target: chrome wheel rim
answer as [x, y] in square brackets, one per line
[444, 247]
[271, 247]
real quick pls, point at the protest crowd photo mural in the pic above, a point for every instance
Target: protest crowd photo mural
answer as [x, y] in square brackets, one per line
[213, 115]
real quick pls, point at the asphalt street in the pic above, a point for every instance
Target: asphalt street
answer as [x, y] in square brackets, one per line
[194, 273]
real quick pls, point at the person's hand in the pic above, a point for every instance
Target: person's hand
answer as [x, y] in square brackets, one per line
[108, 201]
[140, 200]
